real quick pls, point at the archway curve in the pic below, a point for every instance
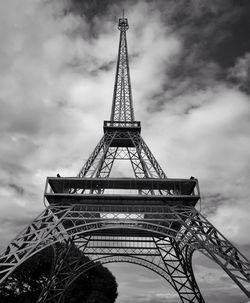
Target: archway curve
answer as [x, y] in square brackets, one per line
[123, 259]
[110, 259]
[85, 229]
[116, 259]
[158, 229]
[161, 271]
[88, 228]
[97, 226]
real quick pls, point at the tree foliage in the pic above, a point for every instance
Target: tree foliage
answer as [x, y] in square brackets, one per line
[97, 285]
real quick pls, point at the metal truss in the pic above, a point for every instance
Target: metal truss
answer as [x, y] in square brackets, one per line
[61, 252]
[176, 232]
[100, 162]
[152, 169]
[122, 138]
[97, 161]
[44, 230]
[122, 108]
[155, 254]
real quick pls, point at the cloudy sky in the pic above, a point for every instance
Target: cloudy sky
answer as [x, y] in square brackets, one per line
[190, 71]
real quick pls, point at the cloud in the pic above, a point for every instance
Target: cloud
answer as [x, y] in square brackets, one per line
[240, 72]
[35, 120]
[213, 30]
[143, 285]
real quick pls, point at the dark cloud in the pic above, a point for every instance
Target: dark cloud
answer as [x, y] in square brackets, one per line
[89, 8]
[239, 74]
[216, 28]
[214, 34]
[19, 189]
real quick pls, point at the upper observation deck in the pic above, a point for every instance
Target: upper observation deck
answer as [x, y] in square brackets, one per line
[131, 126]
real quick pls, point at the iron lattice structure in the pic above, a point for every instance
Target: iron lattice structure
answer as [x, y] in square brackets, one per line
[150, 220]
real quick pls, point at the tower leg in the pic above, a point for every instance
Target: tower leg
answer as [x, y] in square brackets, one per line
[61, 252]
[68, 260]
[97, 165]
[42, 232]
[200, 234]
[178, 266]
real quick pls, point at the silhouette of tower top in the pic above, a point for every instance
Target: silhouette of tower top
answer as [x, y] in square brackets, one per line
[122, 106]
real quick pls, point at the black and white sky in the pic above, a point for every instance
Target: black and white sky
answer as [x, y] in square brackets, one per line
[190, 72]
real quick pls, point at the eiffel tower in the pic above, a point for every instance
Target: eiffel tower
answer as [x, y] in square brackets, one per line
[149, 220]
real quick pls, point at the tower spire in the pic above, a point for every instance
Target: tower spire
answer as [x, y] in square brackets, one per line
[122, 106]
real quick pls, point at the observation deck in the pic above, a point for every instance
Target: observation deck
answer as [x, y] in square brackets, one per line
[122, 191]
[131, 126]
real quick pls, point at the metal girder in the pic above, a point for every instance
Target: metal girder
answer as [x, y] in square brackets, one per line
[104, 260]
[164, 261]
[133, 149]
[44, 230]
[205, 237]
[178, 267]
[61, 253]
[182, 225]
[151, 165]
[95, 162]
[66, 266]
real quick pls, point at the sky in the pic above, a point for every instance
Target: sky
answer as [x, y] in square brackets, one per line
[190, 74]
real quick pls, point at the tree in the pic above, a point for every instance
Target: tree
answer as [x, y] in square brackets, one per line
[26, 283]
